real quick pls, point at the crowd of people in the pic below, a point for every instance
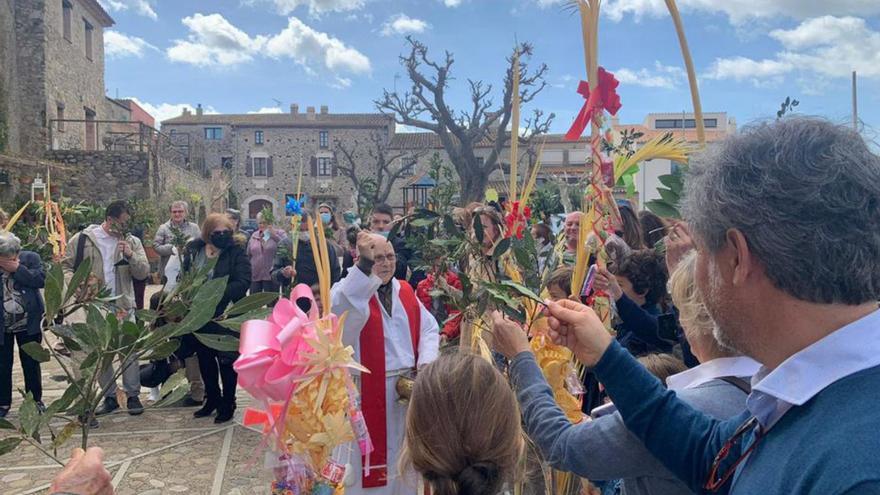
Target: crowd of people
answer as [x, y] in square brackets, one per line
[744, 349]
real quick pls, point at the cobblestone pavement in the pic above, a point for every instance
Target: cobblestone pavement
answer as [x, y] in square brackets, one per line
[163, 451]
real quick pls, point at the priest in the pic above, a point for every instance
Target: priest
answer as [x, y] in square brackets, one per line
[393, 335]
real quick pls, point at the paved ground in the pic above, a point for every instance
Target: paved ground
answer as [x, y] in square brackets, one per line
[163, 451]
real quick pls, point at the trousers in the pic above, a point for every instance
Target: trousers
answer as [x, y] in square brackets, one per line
[216, 369]
[30, 367]
[131, 380]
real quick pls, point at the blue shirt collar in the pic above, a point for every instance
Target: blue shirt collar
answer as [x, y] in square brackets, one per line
[802, 376]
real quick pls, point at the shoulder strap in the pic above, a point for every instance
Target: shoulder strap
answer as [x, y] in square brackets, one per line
[738, 382]
[80, 251]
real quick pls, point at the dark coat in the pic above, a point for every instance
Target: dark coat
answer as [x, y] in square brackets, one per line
[232, 261]
[306, 268]
[29, 279]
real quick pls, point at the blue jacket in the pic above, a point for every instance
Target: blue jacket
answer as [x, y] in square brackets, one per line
[826, 446]
[28, 279]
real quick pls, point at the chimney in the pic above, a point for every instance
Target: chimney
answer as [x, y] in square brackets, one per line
[186, 112]
[199, 109]
[324, 109]
[294, 109]
[310, 111]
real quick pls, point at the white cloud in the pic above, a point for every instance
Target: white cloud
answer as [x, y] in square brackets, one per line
[165, 111]
[741, 10]
[661, 76]
[214, 41]
[403, 129]
[118, 45]
[341, 83]
[268, 110]
[451, 3]
[403, 24]
[307, 46]
[825, 47]
[142, 7]
[316, 7]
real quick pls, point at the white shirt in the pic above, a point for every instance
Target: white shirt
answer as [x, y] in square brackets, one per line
[739, 366]
[107, 245]
[845, 352]
[352, 295]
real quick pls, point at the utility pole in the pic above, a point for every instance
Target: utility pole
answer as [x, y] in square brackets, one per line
[855, 103]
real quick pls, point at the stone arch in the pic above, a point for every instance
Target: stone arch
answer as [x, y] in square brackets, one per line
[261, 200]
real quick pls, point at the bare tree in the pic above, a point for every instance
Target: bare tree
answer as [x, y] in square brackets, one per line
[424, 106]
[374, 167]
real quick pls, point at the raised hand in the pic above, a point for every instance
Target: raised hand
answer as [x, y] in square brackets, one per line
[577, 327]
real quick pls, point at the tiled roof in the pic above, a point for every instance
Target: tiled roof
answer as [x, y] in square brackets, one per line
[284, 119]
[430, 140]
[98, 11]
[689, 135]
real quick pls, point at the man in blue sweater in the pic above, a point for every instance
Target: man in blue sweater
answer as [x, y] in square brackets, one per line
[786, 222]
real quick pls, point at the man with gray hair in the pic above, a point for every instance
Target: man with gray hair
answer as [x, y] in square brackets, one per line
[176, 228]
[786, 222]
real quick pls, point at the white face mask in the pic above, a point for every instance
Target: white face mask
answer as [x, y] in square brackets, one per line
[304, 237]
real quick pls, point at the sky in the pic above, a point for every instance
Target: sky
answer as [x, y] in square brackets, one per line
[239, 56]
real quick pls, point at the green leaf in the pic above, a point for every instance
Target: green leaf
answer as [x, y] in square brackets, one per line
[86, 334]
[672, 181]
[218, 342]
[65, 333]
[91, 360]
[663, 209]
[252, 302]
[80, 276]
[163, 350]
[29, 416]
[147, 315]
[669, 196]
[235, 322]
[131, 329]
[6, 425]
[500, 294]
[449, 225]
[62, 403]
[501, 248]
[52, 291]
[445, 243]
[64, 435]
[178, 386]
[523, 291]
[478, 229]
[95, 320]
[203, 306]
[7, 445]
[422, 222]
[36, 351]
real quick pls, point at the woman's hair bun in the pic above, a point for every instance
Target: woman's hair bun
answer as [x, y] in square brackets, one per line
[481, 478]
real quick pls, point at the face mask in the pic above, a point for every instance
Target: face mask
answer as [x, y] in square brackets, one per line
[304, 237]
[325, 218]
[222, 239]
[384, 234]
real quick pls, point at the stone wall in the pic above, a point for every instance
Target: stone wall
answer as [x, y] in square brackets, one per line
[212, 151]
[9, 84]
[27, 98]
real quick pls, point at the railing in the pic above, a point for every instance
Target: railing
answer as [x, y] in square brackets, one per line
[126, 136]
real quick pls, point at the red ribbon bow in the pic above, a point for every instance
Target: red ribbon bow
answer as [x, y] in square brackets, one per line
[605, 97]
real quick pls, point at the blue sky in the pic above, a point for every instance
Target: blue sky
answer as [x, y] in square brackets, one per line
[238, 56]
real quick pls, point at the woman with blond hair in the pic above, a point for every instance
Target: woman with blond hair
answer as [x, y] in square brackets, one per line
[219, 243]
[463, 433]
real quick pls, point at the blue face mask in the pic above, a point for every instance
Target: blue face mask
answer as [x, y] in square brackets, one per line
[325, 218]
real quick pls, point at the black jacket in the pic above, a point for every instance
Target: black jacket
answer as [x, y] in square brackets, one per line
[233, 261]
[28, 279]
[306, 268]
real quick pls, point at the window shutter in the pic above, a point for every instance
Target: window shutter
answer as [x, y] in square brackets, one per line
[314, 166]
[269, 167]
[249, 169]
[334, 173]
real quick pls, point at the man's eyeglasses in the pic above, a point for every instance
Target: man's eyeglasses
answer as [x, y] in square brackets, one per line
[716, 480]
[390, 258]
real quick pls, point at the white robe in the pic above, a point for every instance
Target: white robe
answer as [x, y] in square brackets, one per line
[352, 294]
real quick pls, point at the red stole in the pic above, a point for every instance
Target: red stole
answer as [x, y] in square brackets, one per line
[372, 342]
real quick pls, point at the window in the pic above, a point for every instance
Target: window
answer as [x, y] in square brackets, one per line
[67, 12]
[323, 139]
[259, 167]
[226, 162]
[683, 123]
[88, 32]
[213, 133]
[258, 137]
[409, 166]
[60, 113]
[325, 167]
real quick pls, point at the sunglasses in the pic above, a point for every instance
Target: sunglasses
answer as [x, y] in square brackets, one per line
[717, 478]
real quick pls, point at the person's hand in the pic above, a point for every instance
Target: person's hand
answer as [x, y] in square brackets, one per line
[9, 266]
[84, 474]
[577, 327]
[508, 337]
[606, 282]
[678, 243]
[288, 272]
[366, 244]
[125, 248]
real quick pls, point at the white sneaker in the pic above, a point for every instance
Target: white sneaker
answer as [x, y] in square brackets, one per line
[155, 395]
